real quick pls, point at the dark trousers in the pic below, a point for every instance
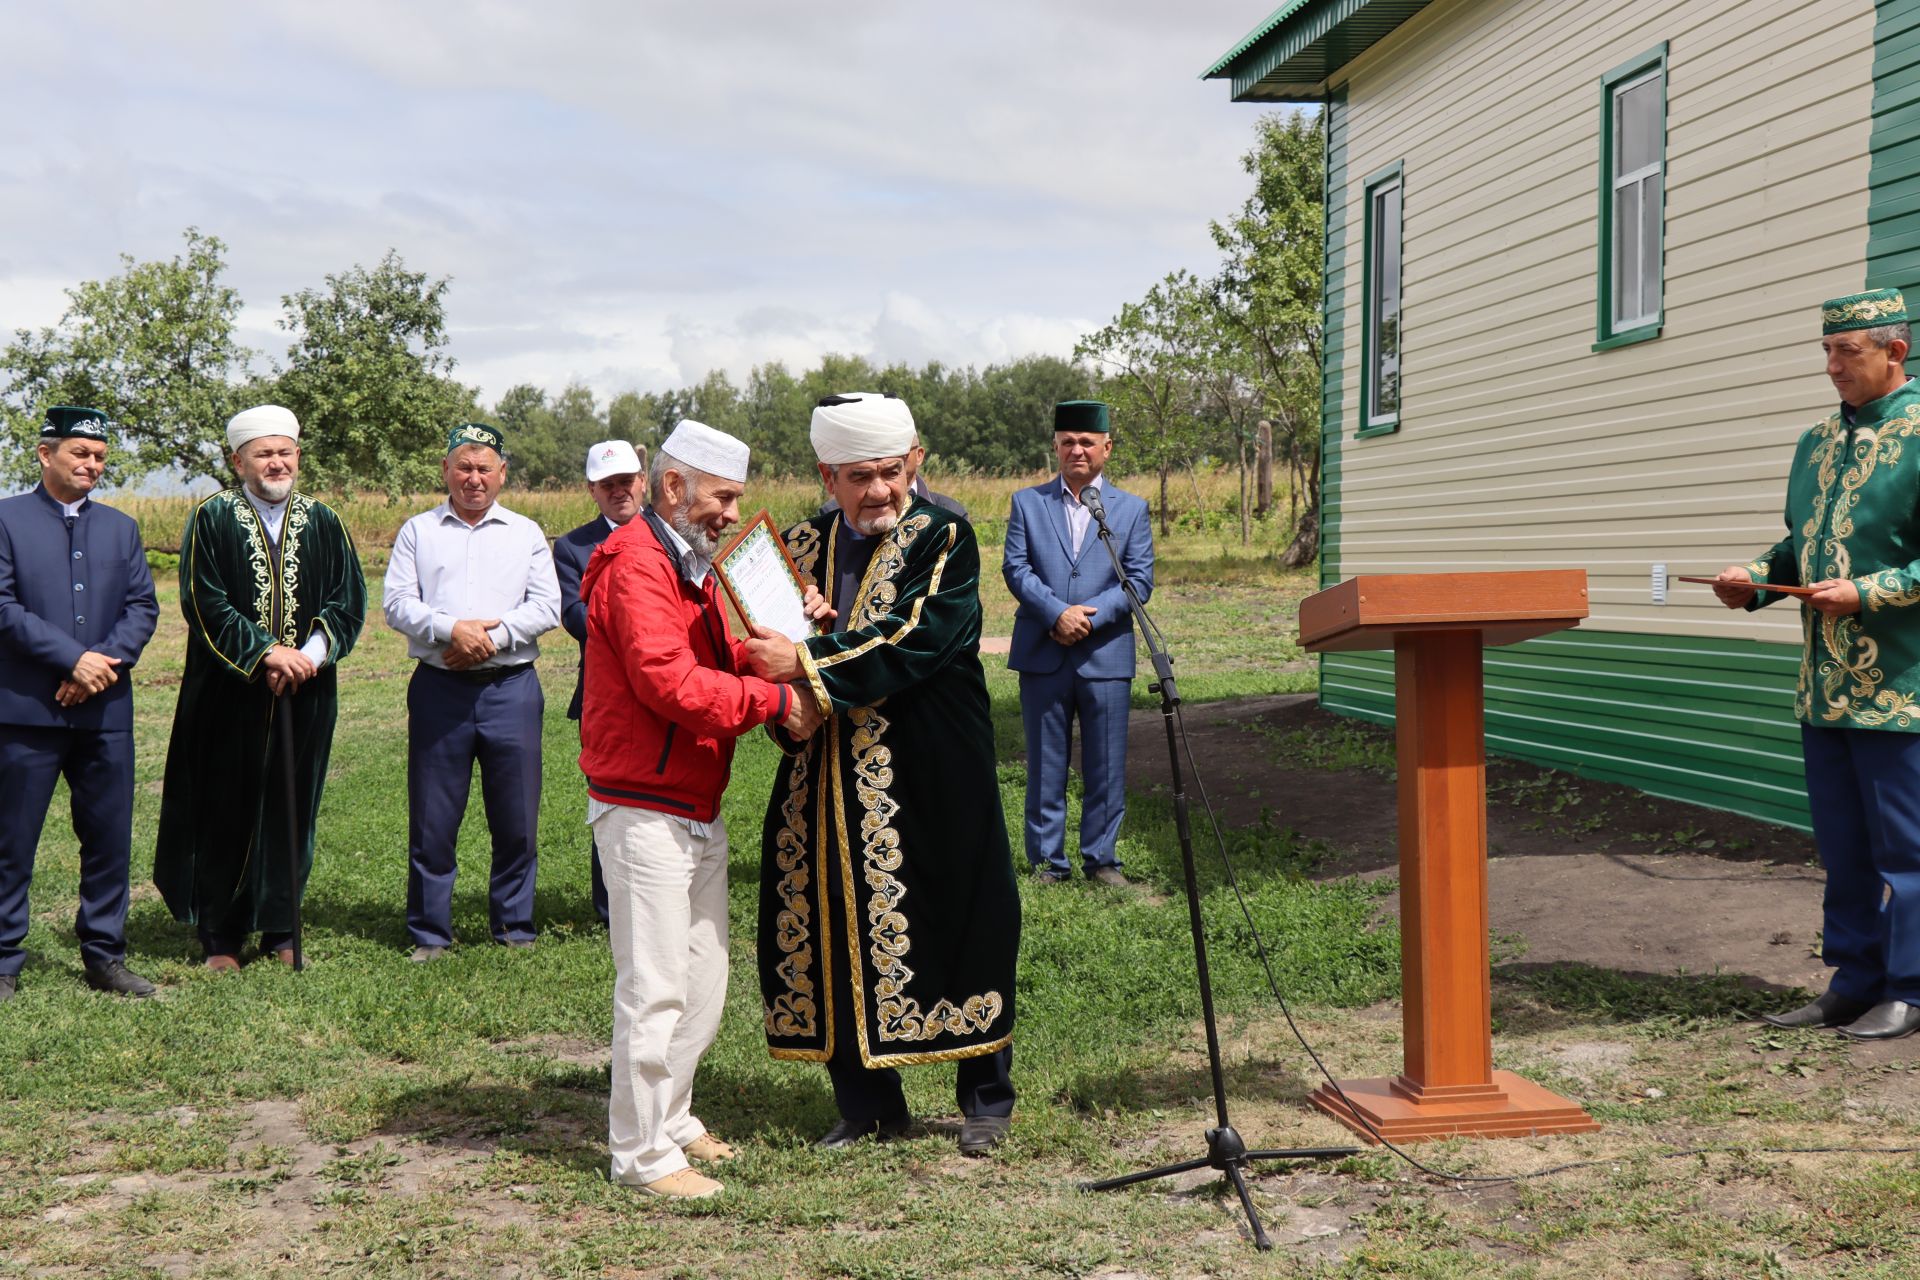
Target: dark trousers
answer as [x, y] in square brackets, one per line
[451, 723]
[98, 767]
[1864, 789]
[983, 1085]
[1049, 704]
[599, 883]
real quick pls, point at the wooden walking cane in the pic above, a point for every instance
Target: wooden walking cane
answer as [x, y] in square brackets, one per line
[283, 728]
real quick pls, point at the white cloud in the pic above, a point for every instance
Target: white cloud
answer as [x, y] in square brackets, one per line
[630, 194]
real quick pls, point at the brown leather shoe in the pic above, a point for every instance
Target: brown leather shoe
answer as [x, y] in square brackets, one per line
[223, 964]
[683, 1184]
[708, 1150]
[1109, 876]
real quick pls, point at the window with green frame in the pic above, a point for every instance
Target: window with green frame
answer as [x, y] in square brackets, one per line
[1633, 190]
[1380, 331]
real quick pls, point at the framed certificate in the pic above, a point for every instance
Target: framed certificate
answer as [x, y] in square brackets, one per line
[762, 580]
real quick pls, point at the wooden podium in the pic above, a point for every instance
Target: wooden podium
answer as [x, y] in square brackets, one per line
[1436, 624]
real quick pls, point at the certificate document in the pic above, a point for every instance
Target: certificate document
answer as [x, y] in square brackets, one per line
[762, 580]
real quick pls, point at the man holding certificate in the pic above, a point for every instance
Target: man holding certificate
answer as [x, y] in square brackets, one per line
[889, 919]
[666, 695]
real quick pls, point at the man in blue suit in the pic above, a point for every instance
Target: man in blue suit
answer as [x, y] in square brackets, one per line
[76, 608]
[613, 477]
[1073, 641]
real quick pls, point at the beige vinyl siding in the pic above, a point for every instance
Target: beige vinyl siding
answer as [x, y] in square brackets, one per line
[1519, 446]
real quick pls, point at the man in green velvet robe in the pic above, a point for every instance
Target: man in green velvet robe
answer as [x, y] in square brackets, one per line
[889, 920]
[274, 597]
[1852, 551]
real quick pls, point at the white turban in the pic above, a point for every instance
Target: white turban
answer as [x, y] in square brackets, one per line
[861, 425]
[714, 452]
[263, 420]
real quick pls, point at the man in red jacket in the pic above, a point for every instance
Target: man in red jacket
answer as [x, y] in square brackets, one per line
[667, 692]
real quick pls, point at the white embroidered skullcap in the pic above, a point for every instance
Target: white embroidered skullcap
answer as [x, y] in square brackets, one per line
[612, 458]
[861, 425]
[261, 420]
[714, 452]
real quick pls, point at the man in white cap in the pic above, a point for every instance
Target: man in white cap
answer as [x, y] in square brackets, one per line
[274, 597]
[471, 586]
[613, 482]
[889, 920]
[666, 695]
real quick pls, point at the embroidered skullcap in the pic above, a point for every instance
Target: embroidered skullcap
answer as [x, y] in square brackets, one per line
[1867, 310]
[611, 458]
[480, 433]
[1081, 415]
[261, 420]
[861, 425]
[67, 420]
[714, 452]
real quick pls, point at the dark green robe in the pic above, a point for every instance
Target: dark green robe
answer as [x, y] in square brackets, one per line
[1853, 511]
[884, 854]
[221, 859]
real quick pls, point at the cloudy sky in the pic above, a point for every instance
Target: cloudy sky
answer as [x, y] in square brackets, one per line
[631, 194]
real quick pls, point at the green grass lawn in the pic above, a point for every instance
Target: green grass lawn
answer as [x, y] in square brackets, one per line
[375, 1118]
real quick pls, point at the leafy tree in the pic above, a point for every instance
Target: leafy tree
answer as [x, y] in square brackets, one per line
[153, 348]
[1151, 353]
[548, 443]
[368, 376]
[1269, 291]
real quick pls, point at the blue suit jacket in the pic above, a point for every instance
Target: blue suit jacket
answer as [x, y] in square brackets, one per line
[571, 551]
[1046, 577]
[63, 592]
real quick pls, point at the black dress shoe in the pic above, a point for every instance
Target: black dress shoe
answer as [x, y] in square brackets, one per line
[848, 1132]
[8, 985]
[1829, 1010]
[121, 981]
[981, 1134]
[1889, 1021]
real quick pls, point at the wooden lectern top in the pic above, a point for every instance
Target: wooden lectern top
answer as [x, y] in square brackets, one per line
[1369, 611]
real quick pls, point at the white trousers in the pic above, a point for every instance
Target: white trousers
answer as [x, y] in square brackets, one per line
[667, 903]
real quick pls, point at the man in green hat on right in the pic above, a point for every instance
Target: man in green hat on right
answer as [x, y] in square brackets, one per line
[1853, 534]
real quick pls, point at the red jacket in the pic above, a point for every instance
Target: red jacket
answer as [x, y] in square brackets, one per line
[663, 703]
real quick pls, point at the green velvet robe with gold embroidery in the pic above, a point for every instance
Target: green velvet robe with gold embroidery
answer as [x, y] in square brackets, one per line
[221, 857]
[886, 877]
[1853, 511]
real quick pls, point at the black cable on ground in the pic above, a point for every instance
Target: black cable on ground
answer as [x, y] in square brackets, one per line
[1273, 985]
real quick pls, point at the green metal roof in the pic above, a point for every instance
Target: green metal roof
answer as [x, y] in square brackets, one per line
[1289, 57]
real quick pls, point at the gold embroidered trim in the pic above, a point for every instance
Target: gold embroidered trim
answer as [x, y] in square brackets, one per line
[1865, 309]
[299, 510]
[913, 615]
[794, 1013]
[803, 544]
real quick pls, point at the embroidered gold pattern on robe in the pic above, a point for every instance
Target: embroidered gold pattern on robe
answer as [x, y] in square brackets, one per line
[299, 507]
[795, 1013]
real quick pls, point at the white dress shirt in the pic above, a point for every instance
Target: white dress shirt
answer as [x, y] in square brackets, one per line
[1079, 519]
[444, 570]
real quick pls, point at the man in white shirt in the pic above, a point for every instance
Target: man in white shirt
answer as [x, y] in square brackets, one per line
[471, 586]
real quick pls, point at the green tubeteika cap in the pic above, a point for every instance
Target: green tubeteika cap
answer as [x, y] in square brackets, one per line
[1867, 310]
[477, 433]
[65, 420]
[1081, 415]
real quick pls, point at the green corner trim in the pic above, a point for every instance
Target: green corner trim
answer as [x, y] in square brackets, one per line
[1369, 425]
[1605, 338]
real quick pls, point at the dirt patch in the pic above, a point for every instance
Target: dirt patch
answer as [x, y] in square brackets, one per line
[1578, 872]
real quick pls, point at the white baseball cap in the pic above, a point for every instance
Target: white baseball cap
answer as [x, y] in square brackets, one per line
[611, 458]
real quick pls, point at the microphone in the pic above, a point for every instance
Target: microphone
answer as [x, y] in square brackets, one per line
[1090, 499]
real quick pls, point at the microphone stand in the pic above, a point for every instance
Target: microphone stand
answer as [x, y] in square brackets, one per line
[1225, 1149]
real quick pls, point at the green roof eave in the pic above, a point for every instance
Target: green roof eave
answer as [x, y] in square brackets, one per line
[1290, 56]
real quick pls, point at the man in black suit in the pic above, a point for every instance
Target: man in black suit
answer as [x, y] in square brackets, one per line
[76, 608]
[613, 478]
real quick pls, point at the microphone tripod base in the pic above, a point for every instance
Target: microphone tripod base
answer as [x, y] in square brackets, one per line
[1227, 1153]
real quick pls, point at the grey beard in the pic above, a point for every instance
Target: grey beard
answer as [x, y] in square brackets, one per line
[272, 490]
[699, 541]
[882, 523]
